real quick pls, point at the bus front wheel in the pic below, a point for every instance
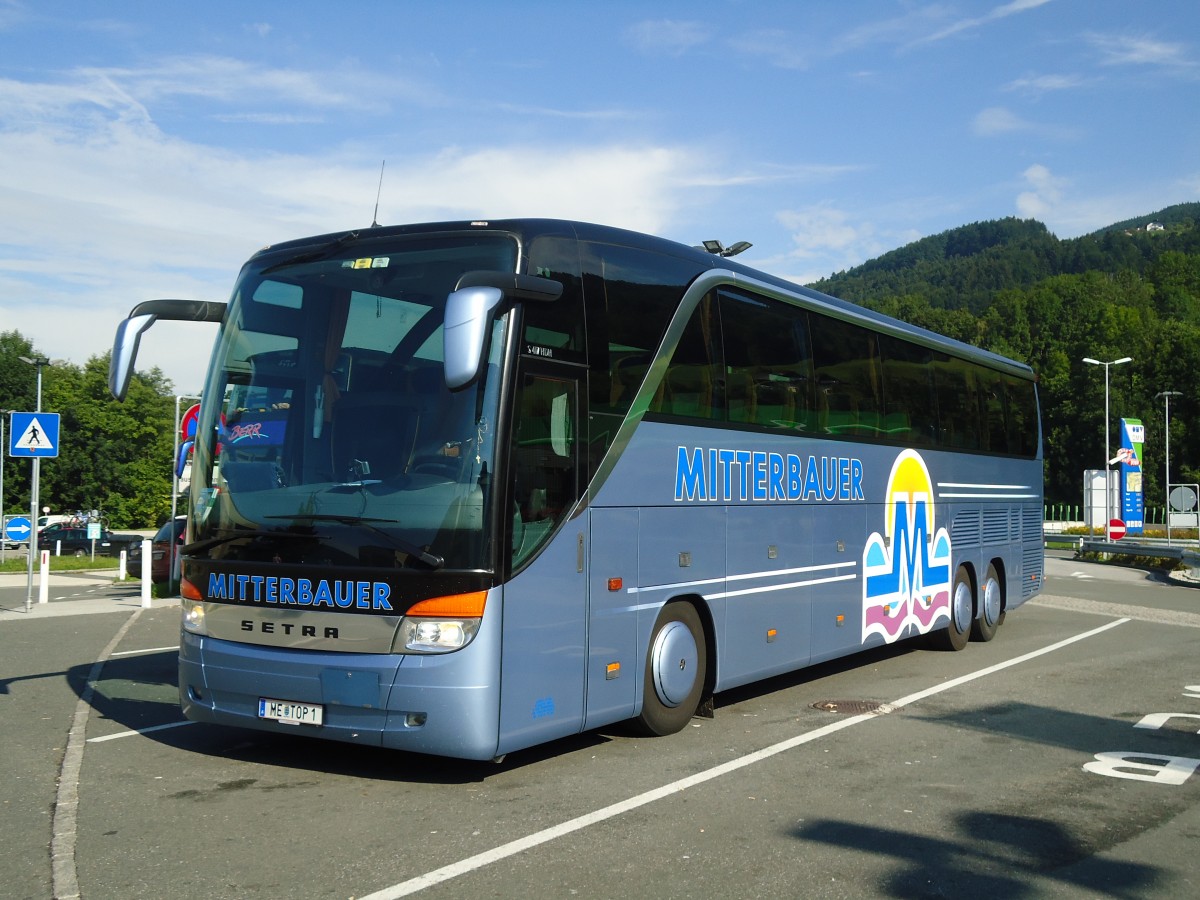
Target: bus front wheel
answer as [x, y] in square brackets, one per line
[676, 666]
[962, 608]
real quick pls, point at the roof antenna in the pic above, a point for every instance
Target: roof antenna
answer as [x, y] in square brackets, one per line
[375, 218]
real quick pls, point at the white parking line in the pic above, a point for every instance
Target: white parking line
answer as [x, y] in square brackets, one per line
[472, 863]
[125, 734]
[147, 650]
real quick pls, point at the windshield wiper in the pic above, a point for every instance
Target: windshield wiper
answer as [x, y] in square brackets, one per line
[430, 559]
[209, 543]
[311, 255]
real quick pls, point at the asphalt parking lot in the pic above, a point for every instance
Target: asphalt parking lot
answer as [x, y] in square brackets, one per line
[1057, 760]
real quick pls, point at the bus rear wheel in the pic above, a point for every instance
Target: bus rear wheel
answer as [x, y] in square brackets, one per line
[962, 607]
[991, 614]
[676, 666]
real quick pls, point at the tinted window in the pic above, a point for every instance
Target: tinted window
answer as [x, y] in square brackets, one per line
[632, 295]
[848, 379]
[545, 485]
[693, 386]
[556, 330]
[768, 367]
[958, 403]
[910, 412]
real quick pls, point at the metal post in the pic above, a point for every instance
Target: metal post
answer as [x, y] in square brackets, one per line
[38, 362]
[1107, 447]
[1167, 395]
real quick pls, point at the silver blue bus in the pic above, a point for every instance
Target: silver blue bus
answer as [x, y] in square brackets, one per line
[463, 488]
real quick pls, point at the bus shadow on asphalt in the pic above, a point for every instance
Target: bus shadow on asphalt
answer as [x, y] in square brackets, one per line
[818, 671]
[141, 692]
[993, 855]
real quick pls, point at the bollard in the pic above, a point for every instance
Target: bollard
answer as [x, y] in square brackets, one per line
[58, 547]
[146, 553]
[121, 566]
[44, 577]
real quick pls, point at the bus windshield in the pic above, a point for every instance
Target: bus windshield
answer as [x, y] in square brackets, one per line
[333, 439]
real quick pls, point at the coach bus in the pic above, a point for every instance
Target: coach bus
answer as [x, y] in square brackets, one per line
[463, 488]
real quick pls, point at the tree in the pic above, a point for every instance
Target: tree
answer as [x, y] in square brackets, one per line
[112, 456]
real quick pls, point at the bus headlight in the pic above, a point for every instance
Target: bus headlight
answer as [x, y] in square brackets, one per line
[437, 635]
[193, 616]
[442, 624]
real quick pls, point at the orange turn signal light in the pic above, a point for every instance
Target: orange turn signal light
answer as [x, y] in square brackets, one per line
[454, 606]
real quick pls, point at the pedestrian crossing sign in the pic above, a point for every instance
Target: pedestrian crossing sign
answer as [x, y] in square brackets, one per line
[33, 434]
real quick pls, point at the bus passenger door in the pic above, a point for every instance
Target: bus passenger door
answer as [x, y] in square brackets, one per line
[545, 618]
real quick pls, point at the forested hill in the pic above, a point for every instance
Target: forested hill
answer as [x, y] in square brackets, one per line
[965, 268]
[1129, 290]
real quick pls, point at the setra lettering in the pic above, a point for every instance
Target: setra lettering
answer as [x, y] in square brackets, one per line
[330, 632]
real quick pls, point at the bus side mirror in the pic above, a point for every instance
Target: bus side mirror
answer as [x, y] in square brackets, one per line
[125, 348]
[468, 316]
[469, 309]
[129, 333]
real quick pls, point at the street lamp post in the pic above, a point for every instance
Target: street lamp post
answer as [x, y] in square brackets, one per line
[1107, 457]
[1167, 395]
[38, 362]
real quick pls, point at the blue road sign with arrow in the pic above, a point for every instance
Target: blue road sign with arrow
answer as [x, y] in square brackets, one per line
[17, 529]
[33, 434]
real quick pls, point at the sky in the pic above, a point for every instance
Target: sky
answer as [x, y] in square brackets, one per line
[147, 149]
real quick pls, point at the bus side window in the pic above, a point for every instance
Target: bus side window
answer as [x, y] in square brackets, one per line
[545, 481]
[694, 387]
[768, 368]
[910, 404]
[847, 374]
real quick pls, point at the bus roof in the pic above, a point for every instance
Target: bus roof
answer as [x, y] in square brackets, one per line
[528, 229]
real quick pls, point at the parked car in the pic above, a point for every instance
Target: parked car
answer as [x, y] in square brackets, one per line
[75, 541]
[160, 549]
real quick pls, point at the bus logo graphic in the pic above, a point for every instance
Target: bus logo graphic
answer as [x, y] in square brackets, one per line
[906, 583]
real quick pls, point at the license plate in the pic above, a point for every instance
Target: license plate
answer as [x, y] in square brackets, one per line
[290, 712]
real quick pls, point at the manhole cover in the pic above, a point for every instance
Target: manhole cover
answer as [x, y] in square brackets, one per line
[848, 707]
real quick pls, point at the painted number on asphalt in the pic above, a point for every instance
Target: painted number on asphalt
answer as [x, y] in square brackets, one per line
[1172, 770]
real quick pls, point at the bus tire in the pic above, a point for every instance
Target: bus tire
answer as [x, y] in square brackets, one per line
[991, 611]
[676, 666]
[962, 607]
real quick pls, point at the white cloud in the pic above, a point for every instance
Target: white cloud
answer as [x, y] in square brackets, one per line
[995, 14]
[1041, 84]
[667, 36]
[826, 234]
[104, 209]
[1044, 195]
[232, 80]
[998, 120]
[776, 47]
[1122, 50]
